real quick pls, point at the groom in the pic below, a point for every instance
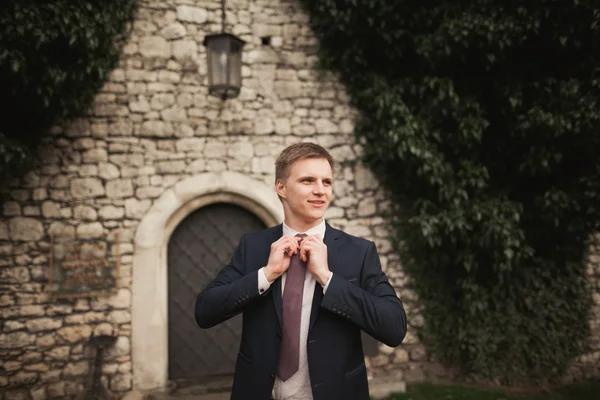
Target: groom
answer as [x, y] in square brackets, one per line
[306, 290]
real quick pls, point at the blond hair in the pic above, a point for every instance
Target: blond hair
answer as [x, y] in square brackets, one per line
[297, 152]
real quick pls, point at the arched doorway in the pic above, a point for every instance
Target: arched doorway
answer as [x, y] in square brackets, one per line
[198, 248]
[149, 287]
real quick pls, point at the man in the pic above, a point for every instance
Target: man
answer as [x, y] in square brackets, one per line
[304, 298]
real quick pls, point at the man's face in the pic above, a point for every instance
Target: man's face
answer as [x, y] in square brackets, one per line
[307, 191]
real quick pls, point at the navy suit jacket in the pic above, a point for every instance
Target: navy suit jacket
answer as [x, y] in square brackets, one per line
[359, 296]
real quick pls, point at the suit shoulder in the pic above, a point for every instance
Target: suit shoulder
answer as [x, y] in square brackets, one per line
[252, 237]
[353, 240]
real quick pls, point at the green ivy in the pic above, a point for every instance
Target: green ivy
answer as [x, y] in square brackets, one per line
[54, 57]
[483, 119]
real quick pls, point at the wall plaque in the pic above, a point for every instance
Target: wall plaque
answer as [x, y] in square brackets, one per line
[84, 265]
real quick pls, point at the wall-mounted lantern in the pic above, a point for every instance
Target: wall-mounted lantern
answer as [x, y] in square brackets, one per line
[224, 56]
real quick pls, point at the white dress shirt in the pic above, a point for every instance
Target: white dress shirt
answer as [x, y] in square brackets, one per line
[298, 386]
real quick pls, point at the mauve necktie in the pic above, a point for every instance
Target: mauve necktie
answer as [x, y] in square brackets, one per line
[292, 311]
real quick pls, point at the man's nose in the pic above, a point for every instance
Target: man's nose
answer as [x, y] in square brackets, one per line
[319, 188]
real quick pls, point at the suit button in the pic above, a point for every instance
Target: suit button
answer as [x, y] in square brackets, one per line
[272, 376]
[334, 308]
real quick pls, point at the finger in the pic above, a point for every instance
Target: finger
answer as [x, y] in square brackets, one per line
[289, 245]
[304, 251]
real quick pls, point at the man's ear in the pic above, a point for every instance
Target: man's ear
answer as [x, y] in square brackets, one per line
[280, 188]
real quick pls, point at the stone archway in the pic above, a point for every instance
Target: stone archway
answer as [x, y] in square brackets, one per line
[149, 284]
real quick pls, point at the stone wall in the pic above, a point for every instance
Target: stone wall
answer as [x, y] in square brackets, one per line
[154, 125]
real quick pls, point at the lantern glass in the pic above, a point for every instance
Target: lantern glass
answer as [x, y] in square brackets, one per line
[235, 65]
[224, 64]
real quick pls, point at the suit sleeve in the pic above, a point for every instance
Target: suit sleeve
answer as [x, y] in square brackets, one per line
[228, 293]
[373, 305]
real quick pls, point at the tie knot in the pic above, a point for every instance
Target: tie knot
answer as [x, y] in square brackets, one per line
[301, 235]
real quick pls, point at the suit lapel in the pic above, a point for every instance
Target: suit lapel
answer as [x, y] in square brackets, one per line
[276, 286]
[331, 236]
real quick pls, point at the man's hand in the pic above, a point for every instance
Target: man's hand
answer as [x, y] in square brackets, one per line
[281, 253]
[313, 250]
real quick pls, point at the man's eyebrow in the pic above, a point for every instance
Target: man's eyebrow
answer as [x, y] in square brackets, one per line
[327, 178]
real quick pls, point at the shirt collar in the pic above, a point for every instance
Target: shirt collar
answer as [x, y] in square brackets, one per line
[315, 230]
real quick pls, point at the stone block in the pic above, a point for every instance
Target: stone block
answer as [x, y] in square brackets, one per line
[263, 55]
[11, 209]
[26, 229]
[130, 159]
[401, 356]
[82, 188]
[173, 31]
[45, 342]
[241, 150]
[39, 367]
[190, 144]
[85, 213]
[157, 87]
[364, 179]
[16, 340]
[22, 378]
[59, 309]
[76, 369]
[121, 347]
[15, 275]
[192, 14]
[140, 106]
[120, 317]
[263, 126]
[90, 228]
[119, 188]
[304, 130]
[75, 334]
[161, 101]
[4, 233]
[154, 46]
[110, 368]
[174, 113]
[135, 208]
[112, 212]
[12, 366]
[170, 167]
[59, 182]
[50, 376]
[76, 319]
[38, 393]
[105, 329]
[282, 126]
[150, 192]
[289, 89]
[16, 394]
[215, 149]
[95, 155]
[121, 382]
[156, 128]
[10, 326]
[43, 324]
[56, 389]
[51, 209]
[367, 207]
[185, 48]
